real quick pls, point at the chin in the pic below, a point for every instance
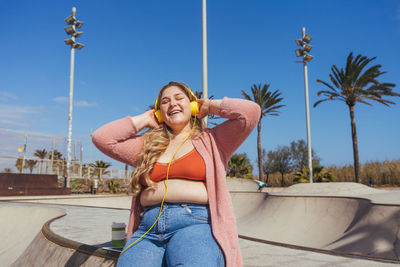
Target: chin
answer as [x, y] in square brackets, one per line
[177, 123]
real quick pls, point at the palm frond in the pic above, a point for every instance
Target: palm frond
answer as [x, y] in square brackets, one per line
[320, 101]
[245, 95]
[327, 85]
[267, 100]
[352, 82]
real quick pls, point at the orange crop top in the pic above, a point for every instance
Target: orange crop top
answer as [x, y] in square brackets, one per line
[190, 166]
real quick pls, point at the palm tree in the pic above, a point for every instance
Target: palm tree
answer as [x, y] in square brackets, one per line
[41, 154]
[99, 168]
[30, 164]
[269, 103]
[20, 164]
[352, 86]
[239, 166]
[57, 159]
[7, 170]
[318, 175]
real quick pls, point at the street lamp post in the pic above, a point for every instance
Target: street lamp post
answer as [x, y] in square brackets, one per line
[205, 77]
[70, 30]
[303, 52]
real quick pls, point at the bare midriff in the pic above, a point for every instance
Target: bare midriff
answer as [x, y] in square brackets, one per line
[179, 190]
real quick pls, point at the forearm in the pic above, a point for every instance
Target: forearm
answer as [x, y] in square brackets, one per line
[214, 106]
[140, 121]
[118, 140]
[242, 116]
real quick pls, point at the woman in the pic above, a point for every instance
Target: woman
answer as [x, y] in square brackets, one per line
[197, 226]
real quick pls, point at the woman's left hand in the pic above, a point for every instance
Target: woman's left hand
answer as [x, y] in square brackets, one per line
[204, 107]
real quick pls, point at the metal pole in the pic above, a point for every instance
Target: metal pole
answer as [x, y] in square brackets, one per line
[90, 146]
[307, 114]
[71, 95]
[74, 150]
[24, 156]
[205, 77]
[52, 155]
[81, 153]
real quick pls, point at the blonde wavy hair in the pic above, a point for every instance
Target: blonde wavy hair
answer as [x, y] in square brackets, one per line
[156, 142]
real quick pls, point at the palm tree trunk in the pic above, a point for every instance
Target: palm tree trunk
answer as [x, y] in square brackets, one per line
[260, 169]
[282, 181]
[355, 145]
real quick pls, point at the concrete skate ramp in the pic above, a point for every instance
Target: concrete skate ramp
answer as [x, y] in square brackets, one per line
[298, 216]
[344, 217]
[28, 241]
[19, 225]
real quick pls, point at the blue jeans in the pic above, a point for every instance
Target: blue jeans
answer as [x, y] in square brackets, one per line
[181, 237]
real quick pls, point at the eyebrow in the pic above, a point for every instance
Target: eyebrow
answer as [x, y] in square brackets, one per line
[173, 95]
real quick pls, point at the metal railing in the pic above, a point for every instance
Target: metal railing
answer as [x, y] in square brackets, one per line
[59, 167]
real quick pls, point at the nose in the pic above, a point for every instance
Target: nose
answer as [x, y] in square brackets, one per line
[172, 103]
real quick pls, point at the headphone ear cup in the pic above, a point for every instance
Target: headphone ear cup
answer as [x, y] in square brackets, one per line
[194, 108]
[157, 113]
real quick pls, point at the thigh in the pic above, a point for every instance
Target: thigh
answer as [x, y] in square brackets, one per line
[194, 246]
[146, 253]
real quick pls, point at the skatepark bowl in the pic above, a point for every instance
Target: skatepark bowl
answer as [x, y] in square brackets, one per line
[320, 224]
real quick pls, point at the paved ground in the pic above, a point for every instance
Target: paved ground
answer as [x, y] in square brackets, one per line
[257, 217]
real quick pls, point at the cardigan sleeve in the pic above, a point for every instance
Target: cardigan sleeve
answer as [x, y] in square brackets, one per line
[119, 141]
[243, 115]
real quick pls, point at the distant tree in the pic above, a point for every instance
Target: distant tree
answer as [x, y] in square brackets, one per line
[281, 161]
[269, 104]
[20, 164]
[352, 85]
[268, 165]
[299, 151]
[30, 164]
[41, 154]
[113, 187]
[57, 159]
[198, 94]
[7, 170]
[239, 166]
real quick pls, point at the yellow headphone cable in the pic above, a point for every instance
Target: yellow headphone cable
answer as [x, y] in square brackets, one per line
[166, 189]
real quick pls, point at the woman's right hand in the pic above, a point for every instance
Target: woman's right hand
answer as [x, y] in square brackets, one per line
[151, 120]
[146, 120]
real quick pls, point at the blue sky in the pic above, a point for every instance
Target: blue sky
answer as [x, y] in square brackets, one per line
[132, 48]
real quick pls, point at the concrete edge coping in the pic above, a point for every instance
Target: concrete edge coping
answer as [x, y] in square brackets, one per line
[68, 243]
[324, 251]
[372, 202]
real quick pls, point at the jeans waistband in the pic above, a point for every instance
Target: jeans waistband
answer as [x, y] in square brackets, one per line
[175, 204]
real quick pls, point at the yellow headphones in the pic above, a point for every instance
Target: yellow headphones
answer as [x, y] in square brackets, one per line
[194, 107]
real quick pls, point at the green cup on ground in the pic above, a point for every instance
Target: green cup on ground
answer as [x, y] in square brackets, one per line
[118, 235]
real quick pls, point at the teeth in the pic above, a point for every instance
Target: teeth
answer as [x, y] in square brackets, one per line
[174, 112]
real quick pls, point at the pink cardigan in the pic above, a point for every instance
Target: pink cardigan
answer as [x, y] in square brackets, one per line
[216, 145]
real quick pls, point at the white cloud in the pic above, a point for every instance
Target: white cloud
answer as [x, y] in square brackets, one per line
[12, 115]
[6, 95]
[60, 99]
[84, 103]
[77, 103]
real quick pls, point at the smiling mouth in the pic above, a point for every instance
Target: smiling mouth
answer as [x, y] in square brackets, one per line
[174, 112]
